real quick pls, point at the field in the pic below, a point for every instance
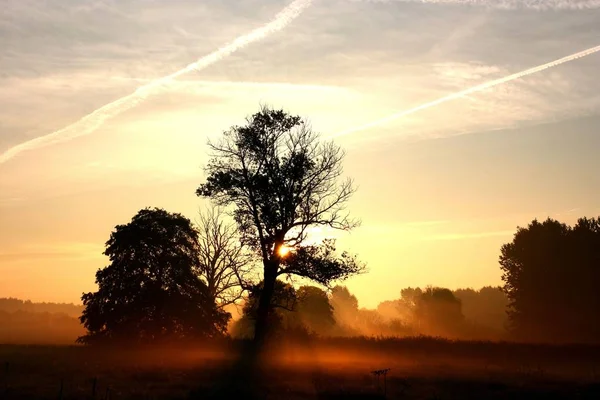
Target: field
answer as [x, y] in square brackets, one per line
[420, 368]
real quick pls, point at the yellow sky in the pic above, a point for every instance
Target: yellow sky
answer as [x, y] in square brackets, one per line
[439, 191]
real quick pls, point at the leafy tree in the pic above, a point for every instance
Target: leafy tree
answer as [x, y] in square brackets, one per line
[151, 290]
[551, 275]
[223, 262]
[314, 309]
[345, 306]
[485, 307]
[281, 180]
[409, 298]
[282, 315]
[389, 309]
[438, 312]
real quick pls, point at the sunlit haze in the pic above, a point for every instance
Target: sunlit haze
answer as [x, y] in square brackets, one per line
[445, 174]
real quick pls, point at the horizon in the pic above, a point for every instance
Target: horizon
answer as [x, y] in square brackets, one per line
[445, 174]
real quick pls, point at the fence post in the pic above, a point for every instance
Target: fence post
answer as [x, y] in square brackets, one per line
[94, 382]
[60, 393]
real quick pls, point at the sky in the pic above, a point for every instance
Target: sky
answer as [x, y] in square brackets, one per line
[439, 190]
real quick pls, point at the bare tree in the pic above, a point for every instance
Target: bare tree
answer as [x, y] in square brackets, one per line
[224, 263]
[281, 180]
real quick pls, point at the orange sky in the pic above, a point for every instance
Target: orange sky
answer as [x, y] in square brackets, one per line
[439, 191]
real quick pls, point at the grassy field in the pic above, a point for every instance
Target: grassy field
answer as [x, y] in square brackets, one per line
[318, 369]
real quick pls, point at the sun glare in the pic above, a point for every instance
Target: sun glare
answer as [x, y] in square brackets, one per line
[283, 251]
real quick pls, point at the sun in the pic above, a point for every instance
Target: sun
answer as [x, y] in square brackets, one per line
[283, 251]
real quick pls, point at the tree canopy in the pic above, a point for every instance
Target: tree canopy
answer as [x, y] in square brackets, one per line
[551, 273]
[280, 180]
[439, 313]
[151, 290]
[314, 309]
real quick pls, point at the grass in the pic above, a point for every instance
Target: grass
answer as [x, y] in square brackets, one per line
[421, 368]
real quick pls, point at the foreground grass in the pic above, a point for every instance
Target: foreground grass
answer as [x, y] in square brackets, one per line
[421, 368]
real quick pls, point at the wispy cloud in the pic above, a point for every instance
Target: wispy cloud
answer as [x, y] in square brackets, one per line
[508, 4]
[92, 121]
[472, 90]
[463, 236]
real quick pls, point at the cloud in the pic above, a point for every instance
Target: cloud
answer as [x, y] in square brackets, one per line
[463, 236]
[540, 5]
[471, 90]
[426, 223]
[92, 121]
[394, 55]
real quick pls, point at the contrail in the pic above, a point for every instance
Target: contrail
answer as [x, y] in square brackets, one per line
[507, 4]
[474, 89]
[95, 119]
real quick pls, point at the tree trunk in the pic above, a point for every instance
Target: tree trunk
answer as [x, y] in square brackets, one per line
[264, 304]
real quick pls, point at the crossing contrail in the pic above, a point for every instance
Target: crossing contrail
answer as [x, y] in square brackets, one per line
[474, 89]
[507, 4]
[95, 119]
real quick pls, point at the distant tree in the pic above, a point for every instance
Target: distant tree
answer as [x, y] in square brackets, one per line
[33, 328]
[485, 307]
[151, 290]
[314, 309]
[12, 305]
[552, 274]
[409, 298]
[389, 309]
[281, 180]
[438, 312]
[223, 262]
[345, 306]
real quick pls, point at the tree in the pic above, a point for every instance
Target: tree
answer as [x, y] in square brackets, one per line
[345, 306]
[282, 310]
[485, 307]
[281, 180]
[314, 309]
[151, 291]
[223, 262]
[409, 298]
[438, 312]
[551, 275]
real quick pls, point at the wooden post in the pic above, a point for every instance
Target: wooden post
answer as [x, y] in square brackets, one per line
[6, 370]
[60, 393]
[385, 384]
[94, 382]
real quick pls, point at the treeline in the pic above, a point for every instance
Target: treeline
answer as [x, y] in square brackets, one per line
[551, 274]
[460, 314]
[26, 322]
[12, 305]
[172, 280]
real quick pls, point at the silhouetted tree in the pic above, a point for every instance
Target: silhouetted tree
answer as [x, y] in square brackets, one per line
[282, 315]
[409, 298]
[485, 308]
[314, 309]
[438, 312]
[223, 262]
[281, 180]
[345, 306]
[151, 289]
[552, 274]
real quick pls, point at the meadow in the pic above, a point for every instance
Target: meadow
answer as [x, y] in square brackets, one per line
[326, 368]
